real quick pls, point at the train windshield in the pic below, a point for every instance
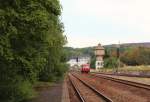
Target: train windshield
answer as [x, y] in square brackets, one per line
[85, 66]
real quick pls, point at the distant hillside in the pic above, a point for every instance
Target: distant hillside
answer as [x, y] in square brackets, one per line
[73, 52]
[147, 44]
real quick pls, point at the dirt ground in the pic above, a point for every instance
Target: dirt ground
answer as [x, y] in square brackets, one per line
[49, 94]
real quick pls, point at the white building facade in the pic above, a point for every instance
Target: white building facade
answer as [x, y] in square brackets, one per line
[79, 61]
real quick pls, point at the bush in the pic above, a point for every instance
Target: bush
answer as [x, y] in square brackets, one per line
[110, 62]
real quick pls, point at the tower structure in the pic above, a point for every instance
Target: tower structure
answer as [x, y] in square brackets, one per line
[99, 53]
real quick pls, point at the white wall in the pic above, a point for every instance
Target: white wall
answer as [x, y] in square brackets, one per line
[82, 60]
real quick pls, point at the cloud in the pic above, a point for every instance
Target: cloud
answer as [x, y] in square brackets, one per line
[130, 12]
[106, 20]
[82, 41]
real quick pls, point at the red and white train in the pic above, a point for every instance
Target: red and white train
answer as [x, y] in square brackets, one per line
[85, 68]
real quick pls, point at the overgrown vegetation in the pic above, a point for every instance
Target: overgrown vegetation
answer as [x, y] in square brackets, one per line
[129, 56]
[31, 46]
[129, 69]
[136, 54]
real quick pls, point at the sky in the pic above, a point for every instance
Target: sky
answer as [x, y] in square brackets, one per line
[89, 22]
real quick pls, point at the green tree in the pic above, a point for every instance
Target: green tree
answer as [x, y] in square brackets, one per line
[31, 39]
[93, 61]
[136, 56]
[110, 62]
[144, 57]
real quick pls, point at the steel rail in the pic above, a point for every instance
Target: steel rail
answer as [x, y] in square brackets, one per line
[126, 82]
[77, 91]
[124, 74]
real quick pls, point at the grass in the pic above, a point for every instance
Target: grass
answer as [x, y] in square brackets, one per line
[39, 86]
[42, 84]
[128, 69]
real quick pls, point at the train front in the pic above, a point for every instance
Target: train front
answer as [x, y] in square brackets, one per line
[85, 68]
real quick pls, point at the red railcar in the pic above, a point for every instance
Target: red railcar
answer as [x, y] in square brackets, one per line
[85, 68]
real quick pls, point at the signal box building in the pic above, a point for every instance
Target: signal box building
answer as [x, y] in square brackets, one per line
[99, 53]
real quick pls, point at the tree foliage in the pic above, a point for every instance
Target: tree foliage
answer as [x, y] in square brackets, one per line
[136, 56]
[31, 40]
[110, 62]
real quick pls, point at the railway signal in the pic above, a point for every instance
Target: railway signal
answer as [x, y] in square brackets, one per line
[77, 59]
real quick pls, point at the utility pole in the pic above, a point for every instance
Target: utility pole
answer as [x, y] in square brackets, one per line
[118, 56]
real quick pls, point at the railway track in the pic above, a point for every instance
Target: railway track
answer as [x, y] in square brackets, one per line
[85, 92]
[124, 74]
[126, 82]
